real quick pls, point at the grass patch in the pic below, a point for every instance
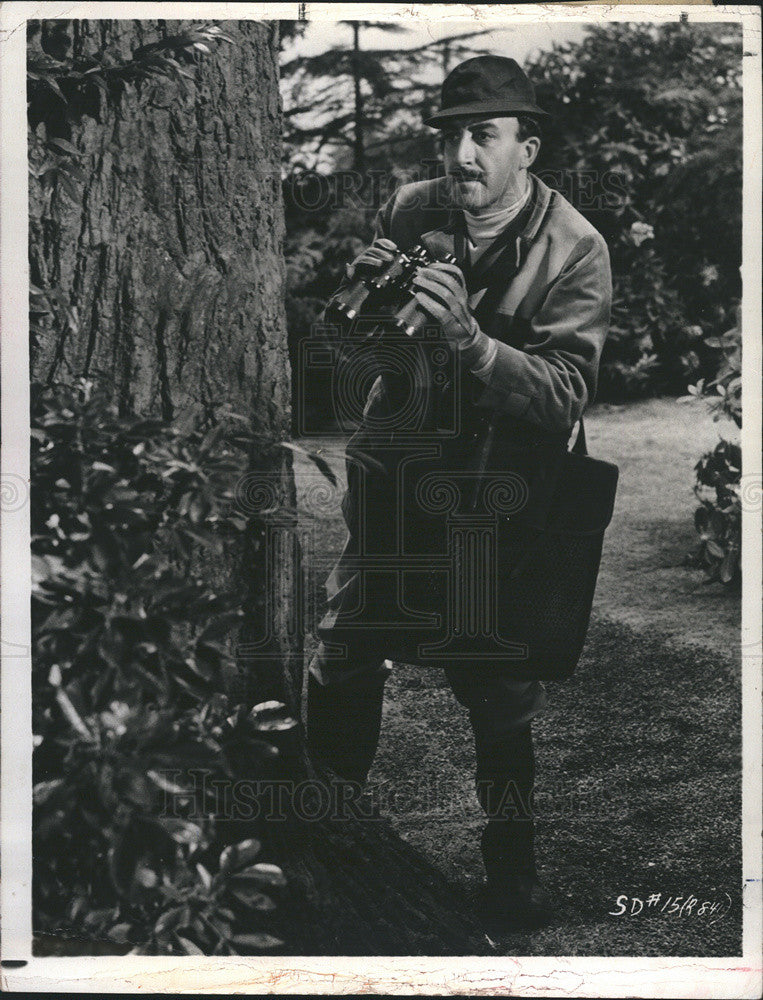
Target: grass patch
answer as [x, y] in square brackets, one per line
[639, 792]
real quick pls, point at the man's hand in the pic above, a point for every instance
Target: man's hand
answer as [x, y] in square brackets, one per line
[441, 292]
[376, 256]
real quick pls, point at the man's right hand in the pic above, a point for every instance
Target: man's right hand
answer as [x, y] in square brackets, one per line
[376, 256]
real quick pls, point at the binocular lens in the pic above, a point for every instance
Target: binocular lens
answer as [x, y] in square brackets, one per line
[351, 301]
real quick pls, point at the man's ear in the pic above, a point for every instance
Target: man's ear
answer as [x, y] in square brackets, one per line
[531, 150]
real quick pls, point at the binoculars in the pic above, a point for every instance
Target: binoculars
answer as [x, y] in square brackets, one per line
[387, 294]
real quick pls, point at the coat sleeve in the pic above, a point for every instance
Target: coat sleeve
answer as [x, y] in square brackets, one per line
[335, 338]
[553, 379]
[383, 220]
[381, 231]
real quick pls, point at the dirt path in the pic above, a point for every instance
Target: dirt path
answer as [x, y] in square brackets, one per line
[644, 581]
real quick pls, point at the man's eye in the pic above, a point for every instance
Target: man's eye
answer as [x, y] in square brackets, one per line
[481, 136]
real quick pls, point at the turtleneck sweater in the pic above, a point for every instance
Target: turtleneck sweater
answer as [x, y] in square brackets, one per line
[484, 229]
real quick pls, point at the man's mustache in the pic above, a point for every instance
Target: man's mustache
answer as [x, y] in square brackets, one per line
[464, 175]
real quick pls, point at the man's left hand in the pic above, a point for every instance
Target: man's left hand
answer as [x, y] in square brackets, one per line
[441, 292]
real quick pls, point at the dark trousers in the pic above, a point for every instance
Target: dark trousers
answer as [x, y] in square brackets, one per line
[344, 711]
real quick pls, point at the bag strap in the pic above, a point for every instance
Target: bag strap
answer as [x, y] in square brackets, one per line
[580, 447]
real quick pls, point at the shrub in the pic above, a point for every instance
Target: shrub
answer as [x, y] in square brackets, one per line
[718, 519]
[129, 670]
[647, 126]
[651, 348]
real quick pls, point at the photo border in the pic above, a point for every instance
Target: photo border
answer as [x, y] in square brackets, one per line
[505, 975]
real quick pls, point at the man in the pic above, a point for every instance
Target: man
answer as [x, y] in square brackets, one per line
[526, 312]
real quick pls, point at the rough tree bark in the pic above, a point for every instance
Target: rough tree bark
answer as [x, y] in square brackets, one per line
[171, 266]
[171, 263]
[174, 257]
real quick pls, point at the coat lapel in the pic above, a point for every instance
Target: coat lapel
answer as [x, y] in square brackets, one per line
[504, 256]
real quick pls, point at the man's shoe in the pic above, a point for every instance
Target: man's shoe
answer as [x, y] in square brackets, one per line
[521, 904]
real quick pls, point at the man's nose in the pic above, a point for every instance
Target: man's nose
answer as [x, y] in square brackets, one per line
[465, 151]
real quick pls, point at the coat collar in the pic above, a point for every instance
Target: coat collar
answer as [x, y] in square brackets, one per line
[451, 237]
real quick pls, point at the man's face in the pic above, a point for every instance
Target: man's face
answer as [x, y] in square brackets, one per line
[485, 162]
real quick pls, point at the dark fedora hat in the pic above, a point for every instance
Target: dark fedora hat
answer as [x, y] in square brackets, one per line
[494, 85]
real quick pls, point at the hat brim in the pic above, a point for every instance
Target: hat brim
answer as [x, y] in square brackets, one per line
[497, 109]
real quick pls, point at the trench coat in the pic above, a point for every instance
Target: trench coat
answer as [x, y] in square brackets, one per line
[417, 500]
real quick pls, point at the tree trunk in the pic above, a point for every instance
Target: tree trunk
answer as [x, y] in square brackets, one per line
[166, 272]
[359, 139]
[174, 256]
[170, 264]
[445, 59]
